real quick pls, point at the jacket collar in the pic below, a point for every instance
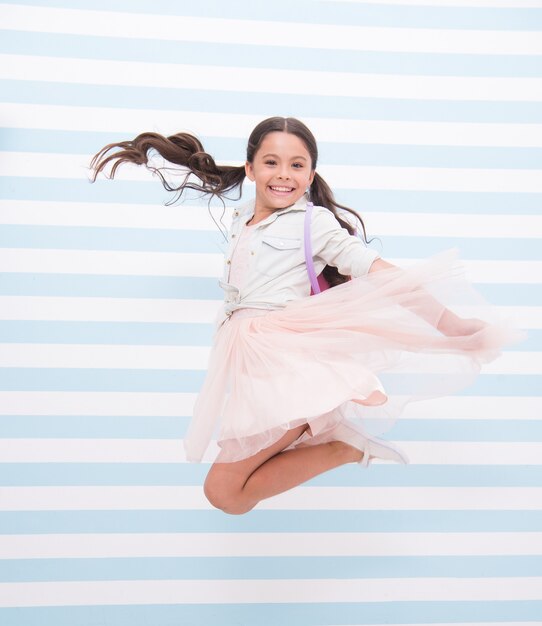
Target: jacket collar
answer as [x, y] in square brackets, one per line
[247, 210]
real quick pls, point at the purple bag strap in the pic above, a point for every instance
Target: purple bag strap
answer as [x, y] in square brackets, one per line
[308, 250]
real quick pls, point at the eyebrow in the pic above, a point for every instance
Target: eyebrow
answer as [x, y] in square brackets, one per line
[276, 155]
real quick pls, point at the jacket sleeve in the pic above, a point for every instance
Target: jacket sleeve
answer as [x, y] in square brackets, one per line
[335, 246]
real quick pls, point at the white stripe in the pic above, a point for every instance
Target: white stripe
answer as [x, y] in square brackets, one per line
[151, 263]
[45, 165]
[47, 450]
[537, 623]
[91, 450]
[164, 357]
[476, 408]
[451, 225]
[180, 498]
[432, 179]
[407, 498]
[111, 262]
[339, 176]
[516, 362]
[160, 310]
[179, 217]
[133, 121]
[220, 591]
[95, 450]
[259, 32]
[191, 217]
[263, 80]
[260, 544]
[106, 356]
[496, 272]
[473, 452]
[106, 403]
[514, 4]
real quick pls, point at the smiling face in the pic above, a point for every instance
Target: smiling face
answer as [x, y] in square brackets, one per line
[282, 171]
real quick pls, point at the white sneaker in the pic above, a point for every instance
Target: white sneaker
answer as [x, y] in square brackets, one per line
[371, 446]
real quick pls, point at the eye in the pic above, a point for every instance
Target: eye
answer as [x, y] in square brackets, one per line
[298, 165]
[270, 162]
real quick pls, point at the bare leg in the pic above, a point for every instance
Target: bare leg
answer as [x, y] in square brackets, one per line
[237, 487]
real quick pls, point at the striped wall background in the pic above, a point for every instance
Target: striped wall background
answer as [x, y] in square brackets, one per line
[429, 118]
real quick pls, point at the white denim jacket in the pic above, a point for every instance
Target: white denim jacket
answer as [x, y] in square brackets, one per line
[277, 272]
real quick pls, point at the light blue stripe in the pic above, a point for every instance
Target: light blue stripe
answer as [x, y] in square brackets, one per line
[306, 11]
[117, 333]
[506, 249]
[300, 614]
[273, 57]
[143, 333]
[510, 430]
[309, 614]
[69, 190]
[149, 474]
[424, 476]
[390, 155]
[212, 242]
[271, 568]
[104, 238]
[331, 153]
[87, 379]
[132, 426]
[162, 240]
[88, 285]
[108, 286]
[269, 104]
[190, 381]
[261, 521]
[506, 294]
[400, 201]
[174, 427]
[486, 385]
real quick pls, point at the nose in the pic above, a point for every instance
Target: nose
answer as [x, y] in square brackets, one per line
[284, 173]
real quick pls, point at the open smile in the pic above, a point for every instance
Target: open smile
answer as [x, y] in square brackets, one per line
[280, 190]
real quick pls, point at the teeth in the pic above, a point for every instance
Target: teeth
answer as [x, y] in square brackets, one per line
[282, 188]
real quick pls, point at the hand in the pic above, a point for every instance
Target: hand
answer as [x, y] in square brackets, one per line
[453, 326]
[472, 325]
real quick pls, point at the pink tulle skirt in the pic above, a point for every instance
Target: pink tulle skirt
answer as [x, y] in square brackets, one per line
[358, 352]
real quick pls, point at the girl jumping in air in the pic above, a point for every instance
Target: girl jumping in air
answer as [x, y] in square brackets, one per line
[300, 381]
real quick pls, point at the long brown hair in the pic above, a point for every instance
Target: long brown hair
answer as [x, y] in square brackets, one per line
[185, 150]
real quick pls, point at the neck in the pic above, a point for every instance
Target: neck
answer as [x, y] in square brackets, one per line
[260, 215]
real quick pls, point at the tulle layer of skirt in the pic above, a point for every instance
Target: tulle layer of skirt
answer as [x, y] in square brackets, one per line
[358, 352]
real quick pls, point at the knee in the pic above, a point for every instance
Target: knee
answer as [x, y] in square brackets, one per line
[224, 499]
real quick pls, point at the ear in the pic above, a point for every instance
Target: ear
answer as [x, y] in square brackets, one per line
[311, 178]
[249, 171]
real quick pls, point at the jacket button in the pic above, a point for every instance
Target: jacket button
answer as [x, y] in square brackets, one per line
[228, 261]
[252, 252]
[233, 236]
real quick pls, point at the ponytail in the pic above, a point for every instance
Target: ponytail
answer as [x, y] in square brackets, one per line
[181, 149]
[321, 195]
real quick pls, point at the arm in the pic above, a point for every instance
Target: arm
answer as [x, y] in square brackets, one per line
[351, 257]
[336, 247]
[448, 323]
